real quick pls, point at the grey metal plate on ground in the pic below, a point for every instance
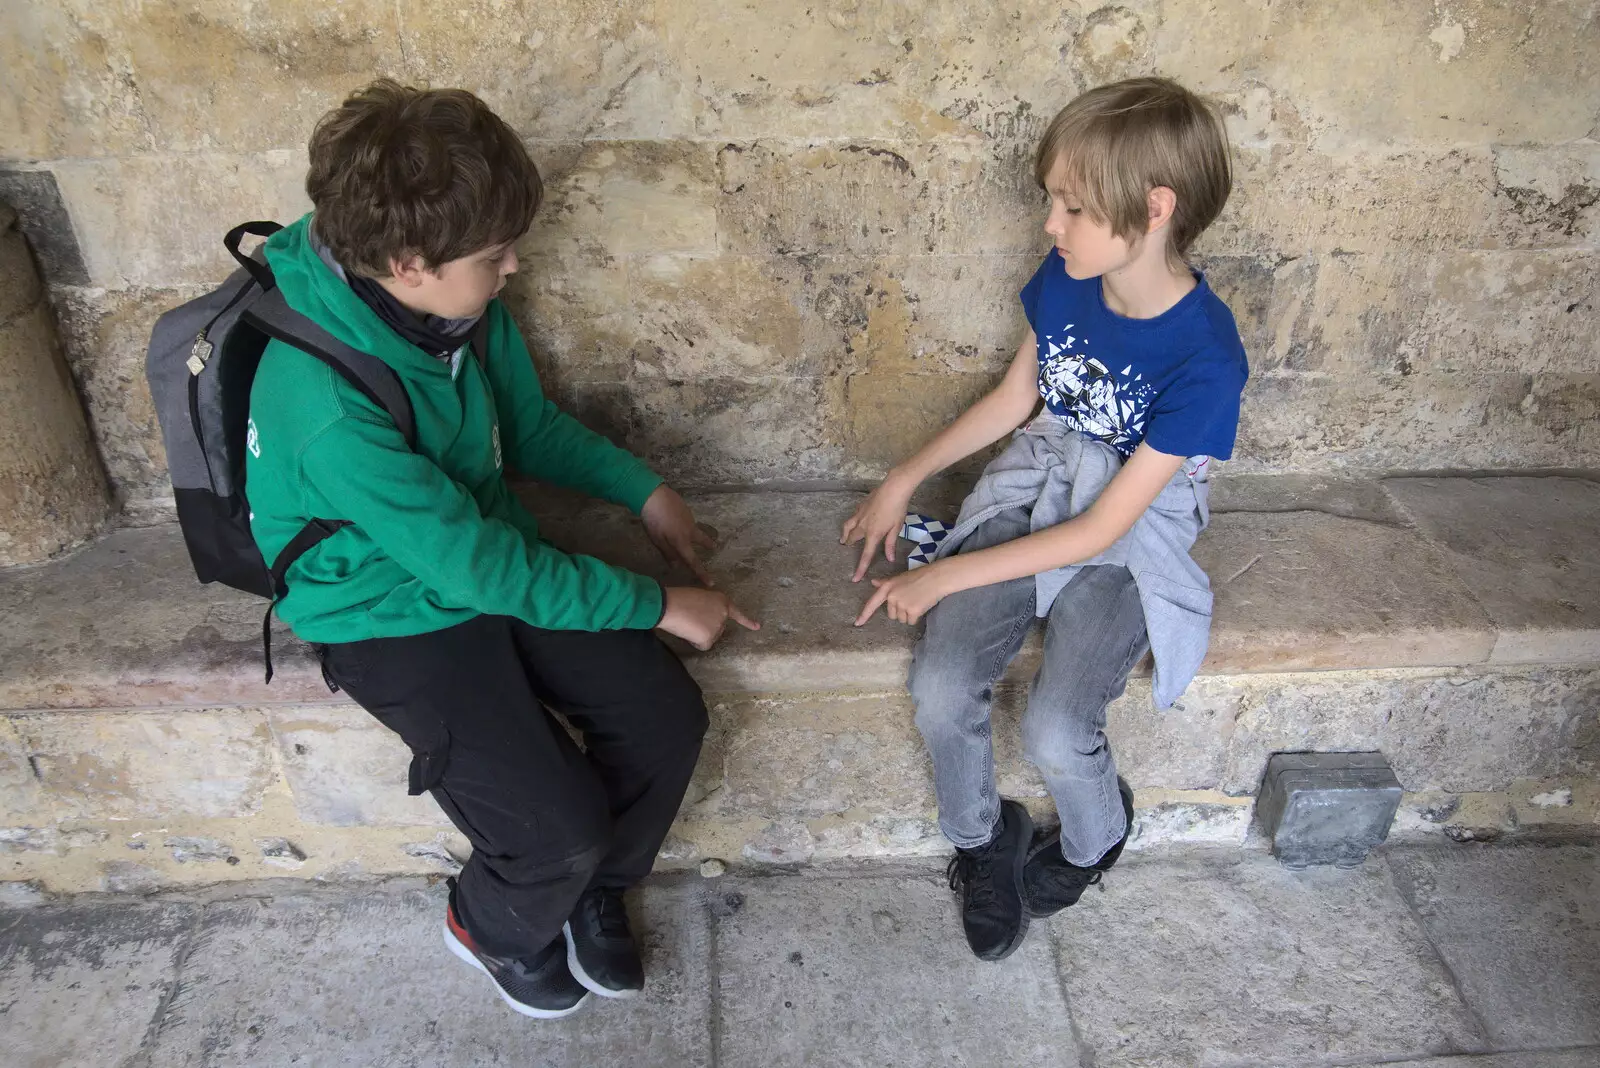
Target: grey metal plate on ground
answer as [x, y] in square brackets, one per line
[1326, 808]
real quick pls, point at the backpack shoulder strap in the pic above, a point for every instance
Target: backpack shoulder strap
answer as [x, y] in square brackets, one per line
[375, 380]
[479, 342]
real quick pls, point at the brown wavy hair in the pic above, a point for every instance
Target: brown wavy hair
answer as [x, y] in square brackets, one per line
[398, 172]
[1124, 139]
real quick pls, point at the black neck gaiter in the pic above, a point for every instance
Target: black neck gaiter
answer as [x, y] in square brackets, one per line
[433, 334]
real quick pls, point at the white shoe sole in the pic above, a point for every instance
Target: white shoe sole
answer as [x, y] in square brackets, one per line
[583, 977]
[455, 945]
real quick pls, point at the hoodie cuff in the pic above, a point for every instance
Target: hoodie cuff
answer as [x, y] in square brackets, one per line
[635, 487]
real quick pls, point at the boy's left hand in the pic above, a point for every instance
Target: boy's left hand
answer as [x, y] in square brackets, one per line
[909, 595]
[672, 529]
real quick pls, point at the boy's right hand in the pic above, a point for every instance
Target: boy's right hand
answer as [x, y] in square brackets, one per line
[698, 616]
[878, 519]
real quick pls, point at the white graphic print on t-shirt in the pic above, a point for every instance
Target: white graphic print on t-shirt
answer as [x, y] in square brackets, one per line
[1093, 400]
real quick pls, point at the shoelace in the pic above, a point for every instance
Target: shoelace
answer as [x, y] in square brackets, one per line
[972, 874]
[610, 918]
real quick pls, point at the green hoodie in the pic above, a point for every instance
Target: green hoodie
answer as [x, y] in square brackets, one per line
[437, 536]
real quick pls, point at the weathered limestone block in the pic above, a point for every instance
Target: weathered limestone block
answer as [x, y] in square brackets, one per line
[206, 70]
[857, 759]
[1418, 191]
[346, 769]
[1400, 311]
[1293, 198]
[52, 488]
[622, 197]
[1341, 313]
[576, 316]
[1493, 310]
[1248, 285]
[1396, 601]
[1554, 189]
[961, 312]
[889, 415]
[19, 786]
[1457, 732]
[106, 333]
[562, 70]
[726, 317]
[731, 431]
[807, 756]
[1422, 421]
[870, 197]
[896, 397]
[894, 70]
[1527, 549]
[127, 765]
[1373, 73]
[20, 286]
[65, 83]
[158, 221]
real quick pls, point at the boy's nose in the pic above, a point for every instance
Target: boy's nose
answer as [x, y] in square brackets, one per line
[511, 264]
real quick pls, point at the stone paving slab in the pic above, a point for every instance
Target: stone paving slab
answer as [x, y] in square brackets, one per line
[365, 979]
[1520, 929]
[1528, 548]
[1197, 965]
[874, 972]
[82, 985]
[1203, 960]
[1575, 1058]
[1334, 584]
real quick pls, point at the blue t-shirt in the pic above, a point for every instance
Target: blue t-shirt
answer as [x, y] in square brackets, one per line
[1173, 381]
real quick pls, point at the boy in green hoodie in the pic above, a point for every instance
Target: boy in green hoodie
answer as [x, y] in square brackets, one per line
[439, 609]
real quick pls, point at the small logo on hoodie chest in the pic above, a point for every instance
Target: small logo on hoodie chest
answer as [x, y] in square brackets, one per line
[494, 436]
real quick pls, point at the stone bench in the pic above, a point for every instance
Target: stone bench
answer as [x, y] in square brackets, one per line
[1453, 623]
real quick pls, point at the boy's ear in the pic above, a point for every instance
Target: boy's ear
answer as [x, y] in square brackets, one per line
[1162, 203]
[408, 270]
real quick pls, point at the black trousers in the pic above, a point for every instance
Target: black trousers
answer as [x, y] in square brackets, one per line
[546, 820]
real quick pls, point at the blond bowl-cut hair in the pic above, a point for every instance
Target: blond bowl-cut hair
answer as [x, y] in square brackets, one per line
[1122, 140]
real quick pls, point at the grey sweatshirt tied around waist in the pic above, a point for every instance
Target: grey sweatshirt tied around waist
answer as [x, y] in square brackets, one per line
[1057, 472]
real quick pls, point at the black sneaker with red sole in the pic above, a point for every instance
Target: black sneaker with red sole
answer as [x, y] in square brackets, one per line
[540, 986]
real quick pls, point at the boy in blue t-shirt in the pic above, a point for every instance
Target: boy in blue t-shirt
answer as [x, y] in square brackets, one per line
[1088, 516]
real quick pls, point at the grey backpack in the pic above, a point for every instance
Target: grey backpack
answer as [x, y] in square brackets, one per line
[202, 360]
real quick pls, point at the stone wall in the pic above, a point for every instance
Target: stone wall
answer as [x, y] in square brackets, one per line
[783, 240]
[133, 800]
[52, 489]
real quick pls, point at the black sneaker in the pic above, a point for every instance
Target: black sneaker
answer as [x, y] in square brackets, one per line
[600, 949]
[539, 986]
[989, 879]
[1050, 883]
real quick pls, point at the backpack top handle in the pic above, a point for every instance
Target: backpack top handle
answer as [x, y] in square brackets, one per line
[231, 240]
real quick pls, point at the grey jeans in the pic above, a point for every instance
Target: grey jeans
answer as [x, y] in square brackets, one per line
[1094, 635]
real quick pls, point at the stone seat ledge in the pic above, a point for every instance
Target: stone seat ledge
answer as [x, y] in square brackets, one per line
[1399, 579]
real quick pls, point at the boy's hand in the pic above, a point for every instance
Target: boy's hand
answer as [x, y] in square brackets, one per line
[878, 519]
[907, 596]
[699, 616]
[672, 529]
